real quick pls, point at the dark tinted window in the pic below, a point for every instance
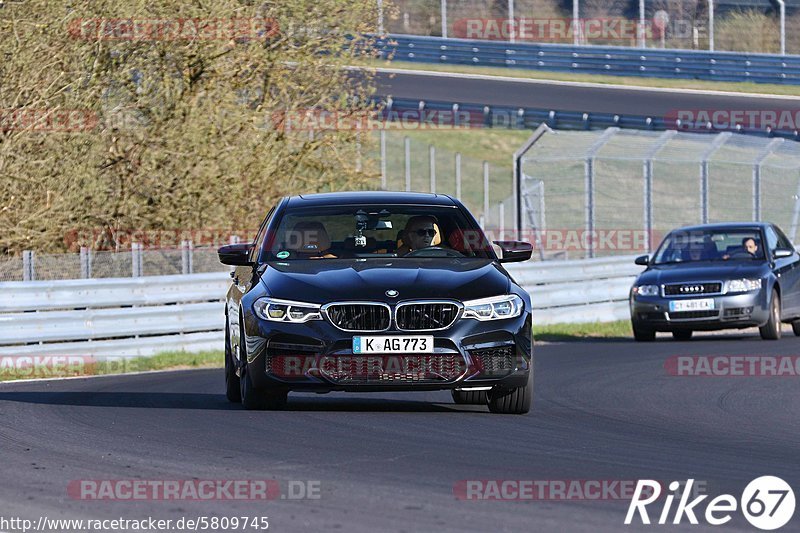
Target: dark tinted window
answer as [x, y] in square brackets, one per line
[367, 231]
[710, 245]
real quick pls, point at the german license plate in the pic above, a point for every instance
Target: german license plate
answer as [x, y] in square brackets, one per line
[393, 344]
[703, 304]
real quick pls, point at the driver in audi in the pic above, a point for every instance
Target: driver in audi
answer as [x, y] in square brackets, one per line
[420, 232]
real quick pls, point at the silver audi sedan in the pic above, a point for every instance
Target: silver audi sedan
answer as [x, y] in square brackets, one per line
[718, 276]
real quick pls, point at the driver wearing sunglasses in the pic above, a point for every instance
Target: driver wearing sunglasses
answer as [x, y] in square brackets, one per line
[420, 232]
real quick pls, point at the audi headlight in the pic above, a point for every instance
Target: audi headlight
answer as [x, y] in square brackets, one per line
[494, 308]
[276, 310]
[646, 290]
[744, 285]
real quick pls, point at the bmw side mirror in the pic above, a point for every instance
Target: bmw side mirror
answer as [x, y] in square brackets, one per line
[515, 251]
[780, 253]
[235, 254]
[642, 260]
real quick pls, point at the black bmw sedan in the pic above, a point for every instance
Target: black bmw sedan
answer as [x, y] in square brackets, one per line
[718, 276]
[376, 291]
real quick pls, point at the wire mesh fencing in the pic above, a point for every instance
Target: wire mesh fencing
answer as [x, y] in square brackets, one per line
[756, 26]
[484, 187]
[611, 192]
[93, 264]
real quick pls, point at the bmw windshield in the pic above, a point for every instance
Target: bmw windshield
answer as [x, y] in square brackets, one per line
[364, 232]
[710, 245]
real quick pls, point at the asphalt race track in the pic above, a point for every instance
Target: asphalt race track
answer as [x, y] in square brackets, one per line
[603, 410]
[567, 97]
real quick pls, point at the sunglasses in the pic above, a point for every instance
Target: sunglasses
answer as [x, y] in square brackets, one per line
[428, 232]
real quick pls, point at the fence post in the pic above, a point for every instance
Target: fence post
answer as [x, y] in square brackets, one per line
[136, 260]
[759, 160]
[432, 161]
[28, 267]
[86, 262]
[383, 159]
[589, 188]
[511, 21]
[641, 29]
[576, 39]
[719, 140]
[486, 192]
[648, 186]
[501, 209]
[795, 213]
[380, 18]
[187, 259]
[782, 5]
[711, 25]
[589, 204]
[458, 175]
[407, 148]
[358, 152]
[517, 166]
[444, 19]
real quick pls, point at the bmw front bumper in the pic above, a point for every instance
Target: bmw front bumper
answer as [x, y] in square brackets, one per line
[491, 353]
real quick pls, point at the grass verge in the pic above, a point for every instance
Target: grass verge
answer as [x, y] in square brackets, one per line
[20, 368]
[620, 329]
[666, 83]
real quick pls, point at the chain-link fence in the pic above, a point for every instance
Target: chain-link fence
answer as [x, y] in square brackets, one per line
[743, 26]
[187, 259]
[485, 188]
[610, 192]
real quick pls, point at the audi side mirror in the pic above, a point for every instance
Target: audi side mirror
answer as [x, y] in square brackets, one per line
[780, 253]
[642, 260]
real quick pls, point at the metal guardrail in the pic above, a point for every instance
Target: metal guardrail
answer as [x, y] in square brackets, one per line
[610, 60]
[113, 316]
[590, 290]
[144, 316]
[509, 117]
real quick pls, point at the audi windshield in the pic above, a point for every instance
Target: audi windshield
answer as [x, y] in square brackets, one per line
[710, 245]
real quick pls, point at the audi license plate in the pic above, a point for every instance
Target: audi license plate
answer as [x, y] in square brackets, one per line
[704, 304]
[393, 344]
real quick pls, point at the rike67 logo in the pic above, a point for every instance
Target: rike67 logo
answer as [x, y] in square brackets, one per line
[767, 503]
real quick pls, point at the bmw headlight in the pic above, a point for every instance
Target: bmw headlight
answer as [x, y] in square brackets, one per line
[276, 310]
[494, 308]
[744, 285]
[646, 290]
